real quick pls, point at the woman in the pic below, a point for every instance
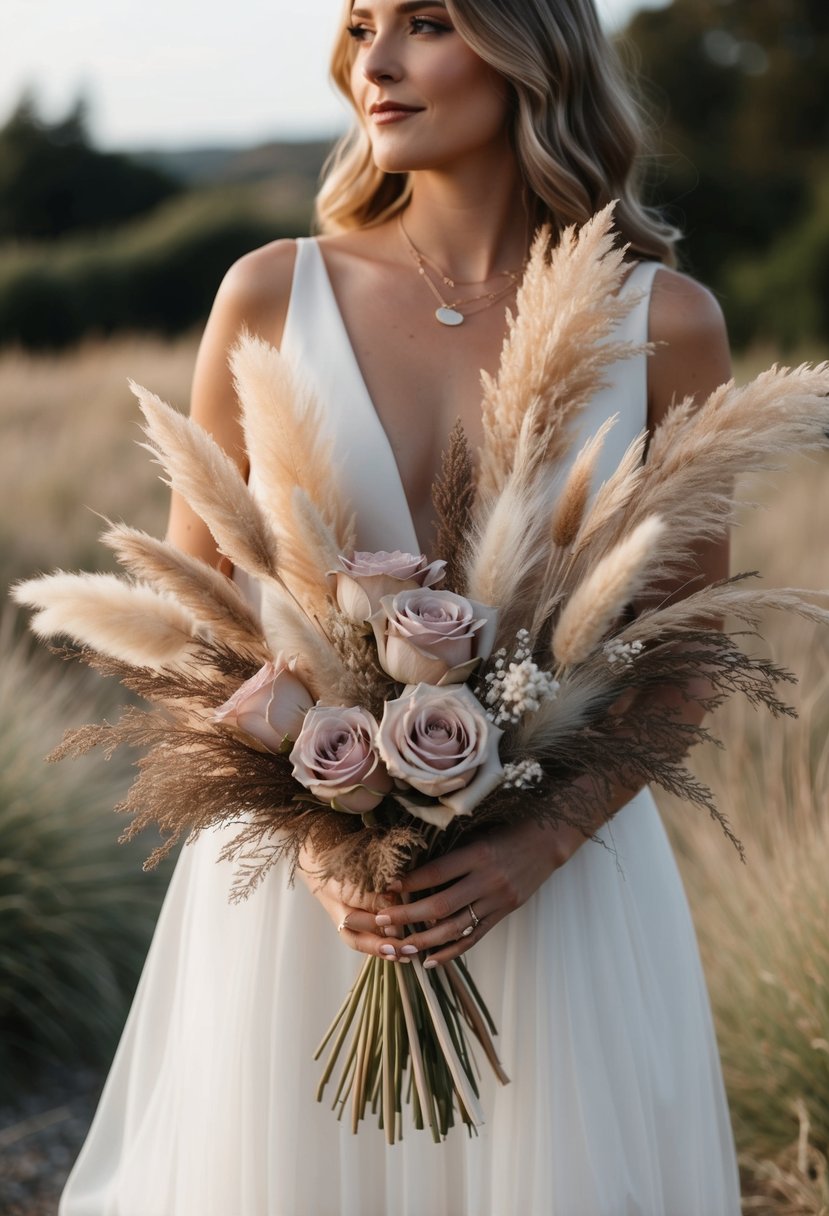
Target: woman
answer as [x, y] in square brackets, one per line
[475, 122]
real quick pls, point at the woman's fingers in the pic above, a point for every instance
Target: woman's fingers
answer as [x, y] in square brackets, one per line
[438, 907]
[461, 927]
[444, 869]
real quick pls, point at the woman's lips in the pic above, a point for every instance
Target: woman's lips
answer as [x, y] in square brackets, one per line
[383, 117]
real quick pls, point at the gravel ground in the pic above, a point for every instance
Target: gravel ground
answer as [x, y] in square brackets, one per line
[40, 1136]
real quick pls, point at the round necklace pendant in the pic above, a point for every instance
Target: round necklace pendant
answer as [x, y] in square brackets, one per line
[449, 316]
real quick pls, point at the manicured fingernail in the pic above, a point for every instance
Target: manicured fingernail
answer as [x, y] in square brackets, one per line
[430, 963]
[408, 950]
[382, 919]
[394, 885]
[388, 951]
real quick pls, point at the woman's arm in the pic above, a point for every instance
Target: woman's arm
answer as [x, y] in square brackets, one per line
[504, 866]
[254, 294]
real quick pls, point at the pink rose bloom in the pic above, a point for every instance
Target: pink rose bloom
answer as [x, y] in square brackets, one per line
[432, 637]
[366, 577]
[439, 741]
[268, 710]
[335, 757]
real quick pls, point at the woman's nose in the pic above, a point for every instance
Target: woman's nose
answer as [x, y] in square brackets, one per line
[380, 63]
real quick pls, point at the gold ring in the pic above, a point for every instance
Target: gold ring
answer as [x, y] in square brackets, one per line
[470, 929]
[343, 923]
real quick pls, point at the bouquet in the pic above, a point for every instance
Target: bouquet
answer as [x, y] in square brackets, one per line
[378, 706]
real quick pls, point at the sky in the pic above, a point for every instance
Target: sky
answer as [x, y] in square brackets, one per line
[186, 73]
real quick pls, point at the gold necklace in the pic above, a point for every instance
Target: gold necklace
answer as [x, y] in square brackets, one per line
[448, 311]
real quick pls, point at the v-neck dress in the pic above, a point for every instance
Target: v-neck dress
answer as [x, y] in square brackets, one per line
[616, 1104]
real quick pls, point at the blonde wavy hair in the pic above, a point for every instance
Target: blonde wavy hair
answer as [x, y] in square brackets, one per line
[576, 128]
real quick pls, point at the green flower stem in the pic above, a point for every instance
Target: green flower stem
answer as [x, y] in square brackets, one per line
[464, 1089]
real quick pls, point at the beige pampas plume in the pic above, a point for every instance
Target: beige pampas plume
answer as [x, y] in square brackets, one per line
[202, 472]
[212, 598]
[287, 442]
[572, 501]
[554, 355]
[123, 620]
[718, 600]
[696, 455]
[290, 630]
[505, 557]
[600, 599]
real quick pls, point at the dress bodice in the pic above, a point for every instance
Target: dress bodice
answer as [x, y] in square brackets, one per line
[316, 342]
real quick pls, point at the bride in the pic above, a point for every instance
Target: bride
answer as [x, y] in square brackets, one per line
[476, 120]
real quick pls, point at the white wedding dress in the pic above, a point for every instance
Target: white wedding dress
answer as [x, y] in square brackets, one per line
[616, 1105]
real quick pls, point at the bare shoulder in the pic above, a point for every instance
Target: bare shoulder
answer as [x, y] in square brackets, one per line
[257, 288]
[691, 356]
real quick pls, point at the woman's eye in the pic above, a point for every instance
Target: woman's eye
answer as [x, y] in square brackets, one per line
[357, 32]
[424, 25]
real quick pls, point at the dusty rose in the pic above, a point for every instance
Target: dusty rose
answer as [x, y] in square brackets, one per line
[366, 577]
[335, 757]
[268, 709]
[432, 637]
[439, 741]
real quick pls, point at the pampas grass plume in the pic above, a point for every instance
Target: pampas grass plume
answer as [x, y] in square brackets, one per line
[125, 621]
[599, 600]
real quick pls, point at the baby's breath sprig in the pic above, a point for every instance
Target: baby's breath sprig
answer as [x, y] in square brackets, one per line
[517, 686]
[522, 774]
[621, 654]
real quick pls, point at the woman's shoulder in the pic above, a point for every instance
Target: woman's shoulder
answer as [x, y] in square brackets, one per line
[682, 309]
[691, 355]
[256, 288]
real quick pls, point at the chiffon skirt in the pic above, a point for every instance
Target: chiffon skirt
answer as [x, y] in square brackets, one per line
[616, 1106]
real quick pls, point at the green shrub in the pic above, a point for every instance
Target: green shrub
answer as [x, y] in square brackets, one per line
[76, 910]
[157, 275]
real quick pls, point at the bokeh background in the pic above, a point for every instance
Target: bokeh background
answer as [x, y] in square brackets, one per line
[141, 152]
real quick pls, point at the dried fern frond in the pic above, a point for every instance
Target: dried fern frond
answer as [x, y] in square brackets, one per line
[210, 596]
[202, 472]
[453, 495]
[556, 352]
[613, 583]
[123, 619]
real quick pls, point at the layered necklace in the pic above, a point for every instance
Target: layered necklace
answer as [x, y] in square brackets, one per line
[449, 312]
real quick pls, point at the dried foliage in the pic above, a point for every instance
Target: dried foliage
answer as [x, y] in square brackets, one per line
[453, 495]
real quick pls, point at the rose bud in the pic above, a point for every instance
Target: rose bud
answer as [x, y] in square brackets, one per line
[432, 637]
[335, 757]
[439, 741]
[268, 710]
[366, 577]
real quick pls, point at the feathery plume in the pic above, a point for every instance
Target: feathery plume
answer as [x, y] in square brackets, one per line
[695, 455]
[202, 472]
[599, 600]
[118, 618]
[209, 595]
[572, 501]
[283, 426]
[554, 355]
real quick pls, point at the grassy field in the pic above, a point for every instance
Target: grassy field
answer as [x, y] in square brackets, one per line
[69, 450]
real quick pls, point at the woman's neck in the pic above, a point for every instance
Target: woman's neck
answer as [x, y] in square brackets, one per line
[473, 225]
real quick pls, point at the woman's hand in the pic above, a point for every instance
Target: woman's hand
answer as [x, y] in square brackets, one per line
[353, 913]
[494, 875]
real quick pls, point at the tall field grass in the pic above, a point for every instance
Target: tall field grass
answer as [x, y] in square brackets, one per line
[69, 425]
